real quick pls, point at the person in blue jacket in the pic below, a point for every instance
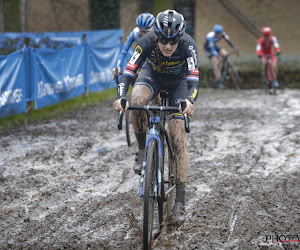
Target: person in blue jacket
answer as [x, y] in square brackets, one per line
[212, 50]
[144, 24]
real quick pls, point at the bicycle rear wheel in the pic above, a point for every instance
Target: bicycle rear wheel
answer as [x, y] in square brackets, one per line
[150, 192]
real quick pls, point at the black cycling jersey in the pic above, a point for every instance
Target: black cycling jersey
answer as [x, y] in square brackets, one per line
[183, 63]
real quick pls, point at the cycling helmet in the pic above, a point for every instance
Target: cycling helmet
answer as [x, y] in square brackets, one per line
[266, 31]
[145, 21]
[218, 28]
[169, 24]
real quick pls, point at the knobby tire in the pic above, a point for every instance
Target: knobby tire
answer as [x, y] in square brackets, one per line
[149, 195]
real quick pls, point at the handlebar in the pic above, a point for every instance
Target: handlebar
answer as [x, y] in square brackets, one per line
[154, 109]
[186, 119]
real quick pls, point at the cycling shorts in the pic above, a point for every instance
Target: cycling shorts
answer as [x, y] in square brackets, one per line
[273, 58]
[177, 88]
[208, 52]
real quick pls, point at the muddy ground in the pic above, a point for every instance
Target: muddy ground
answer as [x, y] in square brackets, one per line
[68, 183]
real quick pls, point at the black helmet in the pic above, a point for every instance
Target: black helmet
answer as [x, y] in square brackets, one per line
[169, 24]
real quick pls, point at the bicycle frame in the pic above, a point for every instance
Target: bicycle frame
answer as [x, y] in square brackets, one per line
[270, 75]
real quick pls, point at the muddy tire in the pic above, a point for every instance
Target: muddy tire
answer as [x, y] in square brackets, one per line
[149, 195]
[234, 76]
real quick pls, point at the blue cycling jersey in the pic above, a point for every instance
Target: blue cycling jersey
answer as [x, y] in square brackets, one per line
[211, 41]
[134, 36]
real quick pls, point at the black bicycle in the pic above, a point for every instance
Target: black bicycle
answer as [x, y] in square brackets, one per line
[157, 176]
[229, 73]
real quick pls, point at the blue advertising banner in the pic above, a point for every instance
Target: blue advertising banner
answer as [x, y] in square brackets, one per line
[58, 75]
[10, 41]
[101, 61]
[12, 83]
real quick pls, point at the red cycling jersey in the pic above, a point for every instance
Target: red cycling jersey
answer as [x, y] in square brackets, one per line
[265, 46]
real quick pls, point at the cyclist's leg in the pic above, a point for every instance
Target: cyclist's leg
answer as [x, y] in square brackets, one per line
[179, 141]
[215, 62]
[143, 91]
[274, 68]
[223, 53]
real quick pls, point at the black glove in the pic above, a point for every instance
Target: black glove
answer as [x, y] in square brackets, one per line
[259, 57]
[278, 56]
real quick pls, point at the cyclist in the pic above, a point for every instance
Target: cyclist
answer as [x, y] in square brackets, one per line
[144, 24]
[265, 46]
[212, 50]
[168, 56]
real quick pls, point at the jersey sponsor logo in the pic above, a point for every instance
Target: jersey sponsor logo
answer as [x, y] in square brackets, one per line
[132, 67]
[194, 54]
[194, 94]
[134, 58]
[191, 63]
[195, 71]
[138, 49]
[121, 88]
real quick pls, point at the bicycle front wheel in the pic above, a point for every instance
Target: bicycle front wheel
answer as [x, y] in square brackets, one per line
[234, 75]
[150, 192]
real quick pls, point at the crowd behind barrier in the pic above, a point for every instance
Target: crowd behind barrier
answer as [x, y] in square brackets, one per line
[51, 67]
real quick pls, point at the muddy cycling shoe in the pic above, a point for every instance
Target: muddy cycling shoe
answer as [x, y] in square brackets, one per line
[137, 166]
[179, 213]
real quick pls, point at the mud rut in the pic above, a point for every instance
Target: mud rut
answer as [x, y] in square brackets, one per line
[68, 183]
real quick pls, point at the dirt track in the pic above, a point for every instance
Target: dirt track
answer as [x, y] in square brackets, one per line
[69, 183]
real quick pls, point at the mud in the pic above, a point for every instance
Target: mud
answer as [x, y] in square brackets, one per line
[68, 183]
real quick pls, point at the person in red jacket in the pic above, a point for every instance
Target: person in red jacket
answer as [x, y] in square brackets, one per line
[266, 46]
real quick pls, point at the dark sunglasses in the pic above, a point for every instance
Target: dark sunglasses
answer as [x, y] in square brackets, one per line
[165, 41]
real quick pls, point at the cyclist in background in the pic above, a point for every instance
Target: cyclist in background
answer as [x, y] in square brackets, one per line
[144, 24]
[212, 50]
[265, 46]
[168, 56]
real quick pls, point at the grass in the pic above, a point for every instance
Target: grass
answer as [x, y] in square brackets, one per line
[57, 110]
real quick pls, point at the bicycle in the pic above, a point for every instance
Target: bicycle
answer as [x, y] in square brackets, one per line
[157, 181]
[269, 77]
[229, 73]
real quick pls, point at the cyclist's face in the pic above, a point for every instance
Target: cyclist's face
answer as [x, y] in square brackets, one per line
[217, 35]
[144, 31]
[167, 47]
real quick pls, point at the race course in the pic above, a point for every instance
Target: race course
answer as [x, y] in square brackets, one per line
[68, 183]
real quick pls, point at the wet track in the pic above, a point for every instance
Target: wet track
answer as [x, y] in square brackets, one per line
[68, 183]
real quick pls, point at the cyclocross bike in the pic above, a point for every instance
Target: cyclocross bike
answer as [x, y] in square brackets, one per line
[229, 73]
[158, 175]
[269, 77]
